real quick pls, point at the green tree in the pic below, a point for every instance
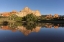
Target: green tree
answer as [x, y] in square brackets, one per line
[18, 19]
[30, 17]
[12, 17]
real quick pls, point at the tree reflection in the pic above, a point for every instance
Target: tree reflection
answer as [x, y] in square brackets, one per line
[28, 27]
[4, 23]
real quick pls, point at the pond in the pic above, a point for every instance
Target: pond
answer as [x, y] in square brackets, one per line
[28, 32]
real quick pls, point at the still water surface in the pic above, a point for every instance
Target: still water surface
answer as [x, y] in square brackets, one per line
[41, 32]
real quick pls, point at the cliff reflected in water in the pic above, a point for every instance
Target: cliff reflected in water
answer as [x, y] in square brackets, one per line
[27, 28]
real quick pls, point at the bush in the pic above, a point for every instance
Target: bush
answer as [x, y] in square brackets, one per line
[30, 17]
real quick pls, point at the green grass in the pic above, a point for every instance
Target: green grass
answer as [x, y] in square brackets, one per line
[5, 19]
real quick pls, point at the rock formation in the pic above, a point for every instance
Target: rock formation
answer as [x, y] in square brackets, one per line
[26, 11]
[13, 12]
[37, 13]
[22, 13]
[49, 16]
[6, 14]
[56, 16]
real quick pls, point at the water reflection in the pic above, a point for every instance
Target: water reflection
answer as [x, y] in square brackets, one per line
[31, 32]
[27, 28]
[24, 28]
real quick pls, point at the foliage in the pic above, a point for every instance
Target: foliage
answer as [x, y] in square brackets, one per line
[42, 18]
[18, 19]
[29, 25]
[12, 17]
[2, 17]
[30, 17]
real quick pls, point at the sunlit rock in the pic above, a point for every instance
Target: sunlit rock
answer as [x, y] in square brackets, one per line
[37, 13]
[6, 14]
[26, 11]
[56, 16]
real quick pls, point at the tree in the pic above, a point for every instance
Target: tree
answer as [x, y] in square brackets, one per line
[30, 17]
[12, 17]
[18, 19]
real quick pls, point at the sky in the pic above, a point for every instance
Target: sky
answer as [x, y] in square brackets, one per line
[44, 6]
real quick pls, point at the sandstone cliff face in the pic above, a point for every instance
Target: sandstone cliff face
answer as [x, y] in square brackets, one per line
[13, 12]
[6, 14]
[37, 13]
[26, 11]
[49, 16]
[22, 13]
[56, 16]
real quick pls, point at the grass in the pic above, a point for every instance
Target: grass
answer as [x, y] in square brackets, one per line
[5, 19]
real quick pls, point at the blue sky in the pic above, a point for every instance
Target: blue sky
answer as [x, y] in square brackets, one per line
[44, 6]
